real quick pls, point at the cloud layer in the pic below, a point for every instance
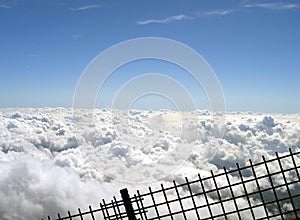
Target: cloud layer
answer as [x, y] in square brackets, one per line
[45, 161]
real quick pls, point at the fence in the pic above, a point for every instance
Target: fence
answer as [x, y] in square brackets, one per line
[266, 190]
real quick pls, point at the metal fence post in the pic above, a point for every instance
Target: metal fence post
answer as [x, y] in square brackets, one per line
[127, 204]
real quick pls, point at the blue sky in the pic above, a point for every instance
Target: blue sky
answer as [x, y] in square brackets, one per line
[253, 46]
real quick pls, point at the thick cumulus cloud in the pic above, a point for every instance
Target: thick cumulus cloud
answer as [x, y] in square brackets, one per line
[49, 166]
[33, 188]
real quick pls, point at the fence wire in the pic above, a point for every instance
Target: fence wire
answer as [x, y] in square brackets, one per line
[266, 190]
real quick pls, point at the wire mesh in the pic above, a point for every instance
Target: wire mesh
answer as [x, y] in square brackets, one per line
[266, 190]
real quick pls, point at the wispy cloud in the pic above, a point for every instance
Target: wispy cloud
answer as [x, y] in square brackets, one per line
[273, 6]
[217, 12]
[165, 20]
[23, 55]
[5, 6]
[31, 55]
[84, 7]
[76, 36]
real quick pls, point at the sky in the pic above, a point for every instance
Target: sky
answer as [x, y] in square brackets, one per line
[252, 46]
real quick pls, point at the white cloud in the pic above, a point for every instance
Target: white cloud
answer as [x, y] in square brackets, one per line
[184, 17]
[217, 12]
[33, 188]
[273, 6]
[85, 7]
[38, 149]
[165, 20]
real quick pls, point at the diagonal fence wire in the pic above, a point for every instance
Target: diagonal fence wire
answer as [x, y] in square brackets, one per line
[266, 190]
